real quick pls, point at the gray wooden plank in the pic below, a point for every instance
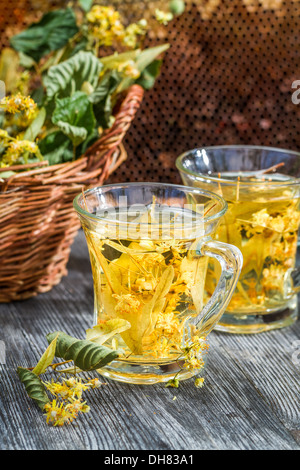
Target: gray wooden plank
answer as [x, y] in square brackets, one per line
[269, 361]
[250, 400]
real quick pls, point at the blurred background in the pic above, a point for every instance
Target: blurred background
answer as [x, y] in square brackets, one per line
[226, 78]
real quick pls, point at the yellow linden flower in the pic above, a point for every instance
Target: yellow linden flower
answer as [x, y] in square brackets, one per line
[145, 284]
[127, 303]
[29, 146]
[133, 31]
[199, 382]
[273, 277]
[280, 223]
[261, 218]
[69, 388]
[102, 14]
[68, 402]
[56, 414]
[12, 154]
[163, 17]
[292, 219]
[3, 134]
[129, 69]
[277, 224]
[106, 24]
[17, 148]
[57, 388]
[17, 103]
[76, 386]
[94, 383]
[151, 260]
[77, 406]
[193, 362]
[173, 383]
[168, 323]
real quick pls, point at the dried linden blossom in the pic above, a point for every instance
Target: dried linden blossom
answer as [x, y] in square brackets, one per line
[107, 28]
[17, 148]
[163, 17]
[68, 402]
[18, 103]
[268, 240]
[193, 361]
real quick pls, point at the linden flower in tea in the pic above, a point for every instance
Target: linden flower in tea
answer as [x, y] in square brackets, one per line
[264, 225]
[156, 285]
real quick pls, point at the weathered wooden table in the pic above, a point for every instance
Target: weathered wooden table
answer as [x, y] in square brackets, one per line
[250, 400]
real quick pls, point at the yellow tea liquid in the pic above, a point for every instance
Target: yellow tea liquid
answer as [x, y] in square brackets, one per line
[262, 221]
[154, 285]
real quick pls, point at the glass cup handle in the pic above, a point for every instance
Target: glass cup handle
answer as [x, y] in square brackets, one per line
[231, 261]
[291, 282]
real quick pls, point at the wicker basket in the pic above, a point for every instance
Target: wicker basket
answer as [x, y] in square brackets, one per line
[37, 220]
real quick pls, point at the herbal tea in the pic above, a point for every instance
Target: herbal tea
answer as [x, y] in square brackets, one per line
[261, 186]
[156, 285]
[149, 247]
[263, 221]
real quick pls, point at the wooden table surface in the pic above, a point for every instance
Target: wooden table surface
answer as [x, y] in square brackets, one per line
[250, 399]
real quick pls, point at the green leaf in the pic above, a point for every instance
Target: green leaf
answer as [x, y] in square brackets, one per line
[69, 76]
[26, 61]
[103, 112]
[46, 359]
[149, 75]
[86, 4]
[85, 354]
[81, 44]
[106, 86]
[114, 60]
[35, 127]
[75, 133]
[7, 174]
[93, 136]
[50, 34]
[38, 95]
[149, 55]
[143, 60]
[74, 116]
[103, 97]
[56, 148]
[33, 386]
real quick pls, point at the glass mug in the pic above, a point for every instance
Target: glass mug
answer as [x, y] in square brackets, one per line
[149, 245]
[261, 186]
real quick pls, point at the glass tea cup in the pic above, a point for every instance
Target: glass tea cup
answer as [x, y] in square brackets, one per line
[149, 245]
[261, 186]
